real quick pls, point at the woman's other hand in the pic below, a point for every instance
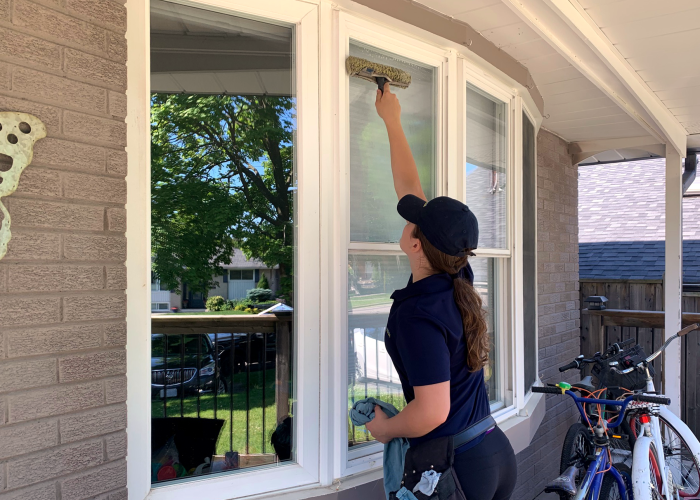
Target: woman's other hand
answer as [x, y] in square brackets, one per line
[388, 106]
[378, 425]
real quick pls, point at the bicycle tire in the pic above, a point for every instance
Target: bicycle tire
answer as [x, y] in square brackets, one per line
[609, 489]
[678, 457]
[577, 446]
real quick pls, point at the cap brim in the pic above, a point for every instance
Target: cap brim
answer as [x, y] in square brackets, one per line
[410, 207]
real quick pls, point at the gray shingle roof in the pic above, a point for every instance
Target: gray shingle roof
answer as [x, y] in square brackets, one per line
[621, 223]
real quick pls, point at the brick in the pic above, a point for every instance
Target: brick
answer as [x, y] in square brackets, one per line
[91, 366]
[115, 334]
[117, 104]
[49, 115]
[41, 19]
[116, 162]
[94, 68]
[3, 415]
[94, 307]
[57, 400]
[89, 247]
[39, 182]
[26, 438]
[33, 246]
[116, 219]
[59, 90]
[27, 48]
[121, 494]
[34, 213]
[41, 492]
[3, 288]
[115, 390]
[80, 426]
[19, 375]
[53, 463]
[53, 340]
[109, 477]
[116, 46]
[4, 14]
[106, 12]
[95, 188]
[83, 126]
[29, 311]
[54, 278]
[69, 155]
[5, 75]
[116, 278]
[115, 445]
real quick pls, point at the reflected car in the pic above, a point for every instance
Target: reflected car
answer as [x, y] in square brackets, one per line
[185, 370]
[247, 351]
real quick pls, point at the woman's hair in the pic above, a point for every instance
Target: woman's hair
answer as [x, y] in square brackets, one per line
[468, 301]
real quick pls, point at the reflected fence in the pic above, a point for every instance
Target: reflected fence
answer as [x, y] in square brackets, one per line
[221, 387]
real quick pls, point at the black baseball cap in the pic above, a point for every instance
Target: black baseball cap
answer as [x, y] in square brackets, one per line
[447, 224]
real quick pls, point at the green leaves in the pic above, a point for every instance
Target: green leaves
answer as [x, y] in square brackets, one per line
[221, 176]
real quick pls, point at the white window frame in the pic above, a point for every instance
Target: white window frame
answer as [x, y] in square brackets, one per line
[305, 471]
[350, 27]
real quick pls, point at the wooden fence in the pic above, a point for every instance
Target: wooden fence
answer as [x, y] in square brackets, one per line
[629, 304]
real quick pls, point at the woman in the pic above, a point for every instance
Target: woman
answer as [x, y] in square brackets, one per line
[437, 333]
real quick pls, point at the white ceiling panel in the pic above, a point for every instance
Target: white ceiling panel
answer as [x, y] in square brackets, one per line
[530, 50]
[164, 82]
[241, 82]
[588, 122]
[689, 92]
[673, 82]
[277, 82]
[545, 63]
[493, 16]
[512, 34]
[552, 89]
[452, 8]
[580, 95]
[587, 112]
[653, 27]
[597, 105]
[608, 14]
[206, 83]
[685, 42]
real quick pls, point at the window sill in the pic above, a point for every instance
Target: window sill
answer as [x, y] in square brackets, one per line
[520, 428]
[346, 483]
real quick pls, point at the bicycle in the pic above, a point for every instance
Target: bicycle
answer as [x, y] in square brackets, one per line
[673, 451]
[602, 478]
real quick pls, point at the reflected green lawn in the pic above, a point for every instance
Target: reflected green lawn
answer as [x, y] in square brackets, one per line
[231, 408]
[377, 299]
[358, 391]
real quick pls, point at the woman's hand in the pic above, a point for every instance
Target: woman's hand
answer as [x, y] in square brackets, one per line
[388, 107]
[378, 426]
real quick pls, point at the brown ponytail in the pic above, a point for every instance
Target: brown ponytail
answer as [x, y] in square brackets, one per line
[468, 301]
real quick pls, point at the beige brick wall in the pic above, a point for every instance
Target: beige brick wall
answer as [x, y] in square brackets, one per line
[62, 302]
[559, 315]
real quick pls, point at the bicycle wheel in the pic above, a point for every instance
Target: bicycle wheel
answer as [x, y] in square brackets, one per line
[678, 457]
[609, 489]
[657, 492]
[577, 446]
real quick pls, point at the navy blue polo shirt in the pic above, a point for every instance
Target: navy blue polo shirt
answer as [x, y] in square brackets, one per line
[425, 340]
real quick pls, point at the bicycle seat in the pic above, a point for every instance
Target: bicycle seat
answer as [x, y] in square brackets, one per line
[566, 483]
[586, 384]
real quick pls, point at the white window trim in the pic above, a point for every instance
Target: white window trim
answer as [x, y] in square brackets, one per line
[305, 472]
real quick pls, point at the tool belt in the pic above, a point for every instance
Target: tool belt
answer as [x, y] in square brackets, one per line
[438, 454]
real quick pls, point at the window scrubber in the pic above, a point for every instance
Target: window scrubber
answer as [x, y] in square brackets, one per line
[377, 73]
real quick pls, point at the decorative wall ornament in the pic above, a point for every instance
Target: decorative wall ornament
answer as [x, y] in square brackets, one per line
[18, 133]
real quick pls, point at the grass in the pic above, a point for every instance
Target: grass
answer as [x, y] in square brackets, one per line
[376, 299]
[231, 409]
[359, 435]
[213, 313]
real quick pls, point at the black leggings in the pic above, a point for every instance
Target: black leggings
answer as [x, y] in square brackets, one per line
[488, 471]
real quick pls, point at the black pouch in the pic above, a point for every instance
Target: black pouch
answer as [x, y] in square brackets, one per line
[438, 455]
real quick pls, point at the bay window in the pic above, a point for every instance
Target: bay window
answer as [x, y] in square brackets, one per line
[336, 249]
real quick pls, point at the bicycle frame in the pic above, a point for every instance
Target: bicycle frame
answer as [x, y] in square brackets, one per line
[593, 480]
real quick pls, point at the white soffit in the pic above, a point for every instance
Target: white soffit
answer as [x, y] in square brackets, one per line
[576, 108]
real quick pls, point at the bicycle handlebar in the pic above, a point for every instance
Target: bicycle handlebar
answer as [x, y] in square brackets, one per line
[573, 364]
[654, 355]
[662, 400]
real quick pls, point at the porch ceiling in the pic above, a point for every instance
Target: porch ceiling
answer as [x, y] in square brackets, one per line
[605, 68]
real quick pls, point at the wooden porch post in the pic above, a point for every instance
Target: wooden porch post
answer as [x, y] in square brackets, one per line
[673, 278]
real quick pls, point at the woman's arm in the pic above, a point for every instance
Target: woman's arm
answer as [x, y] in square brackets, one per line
[403, 166]
[427, 411]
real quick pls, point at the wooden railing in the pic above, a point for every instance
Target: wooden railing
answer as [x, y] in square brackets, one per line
[602, 328]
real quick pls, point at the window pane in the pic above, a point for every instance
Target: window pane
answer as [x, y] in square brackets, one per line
[373, 215]
[485, 282]
[223, 123]
[371, 281]
[487, 151]
[530, 251]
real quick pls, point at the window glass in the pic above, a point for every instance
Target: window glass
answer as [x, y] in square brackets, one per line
[371, 281]
[486, 284]
[530, 251]
[223, 126]
[486, 166]
[373, 216]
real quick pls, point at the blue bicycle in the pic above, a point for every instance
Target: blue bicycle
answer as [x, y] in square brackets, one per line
[592, 475]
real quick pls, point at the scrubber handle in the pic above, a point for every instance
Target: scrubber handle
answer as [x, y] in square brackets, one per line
[380, 83]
